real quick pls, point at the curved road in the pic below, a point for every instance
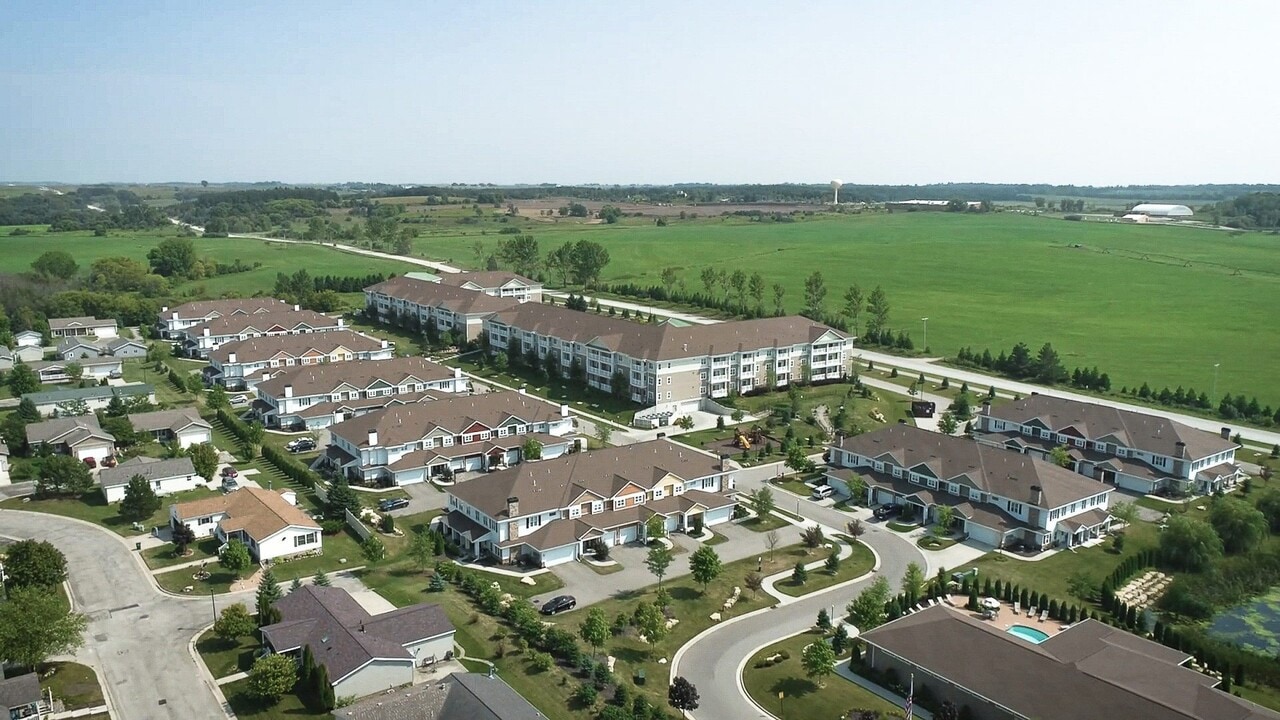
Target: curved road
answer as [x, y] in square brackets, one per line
[711, 662]
[138, 636]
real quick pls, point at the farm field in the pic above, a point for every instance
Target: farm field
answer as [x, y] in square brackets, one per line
[1143, 303]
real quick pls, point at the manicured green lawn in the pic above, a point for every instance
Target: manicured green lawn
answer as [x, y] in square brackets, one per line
[93, 507]
[802, 696]
[226, 658]
[858, 563]
[764, 523]
[74, 684]
[794, 485]
[579, 398]
[245, 706]
[163, 556]
[220, 580]
[139, 370]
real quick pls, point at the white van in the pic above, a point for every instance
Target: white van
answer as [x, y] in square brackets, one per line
[822, 492]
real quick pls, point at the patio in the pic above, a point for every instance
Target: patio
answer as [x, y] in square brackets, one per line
[1005, 616]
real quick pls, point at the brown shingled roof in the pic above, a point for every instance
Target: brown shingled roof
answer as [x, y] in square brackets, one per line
[264, 348]
[236, 324]
[484, 278]
[430, 294]
[326, 378]
[260, 513]
[228, 306]
[405, 423]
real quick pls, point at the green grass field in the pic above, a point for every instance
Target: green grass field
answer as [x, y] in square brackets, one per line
[1145, 304]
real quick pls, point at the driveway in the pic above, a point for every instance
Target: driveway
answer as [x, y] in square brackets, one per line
[372, 602]
[137, 636]
[422, 497]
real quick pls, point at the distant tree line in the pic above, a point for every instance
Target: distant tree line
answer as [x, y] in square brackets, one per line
[254, 210]
[1254, 210]
[1044, 367]
[118, 209]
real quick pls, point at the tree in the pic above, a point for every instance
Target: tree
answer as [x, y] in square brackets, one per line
[520, 252]
[320, 579]
[532, 447]
[1240, 525]
[341, 498]
[650, 621]
[271, 677]
[140, 501]
[819, 661]
[373, 549]
[913, 583]
[35, 625]
[594, 629]
[812, 536]
[173, 257]
[948, 424]
[669, 278]
[182, 536]
[295, 584]
[852, 309]
[762, 501]
[682, 695]
[63, 475]
[855, 528]
[603, 433]
[233, 623]
[815, 296]
[778, 293]
[267, 595]
[1268, 503]
[422, 548]
[35, 563]
[1048, 366]
[1189, 544]
[75, 371]
[1125, 512]
[217, 398]
[962, 407]
[57, 264]
[755, 288]
[23, 380]
[798, 461]
[943, 517]
[947, 711]
[1061, 456]
[658, 561]
[878, 310]
[832, 563]
[587, 260]
[840, 640]
[799, 574]
[704, 565]
[754, 581]
[771, 540]
[867, 611]
[235, 557]
[204, 457]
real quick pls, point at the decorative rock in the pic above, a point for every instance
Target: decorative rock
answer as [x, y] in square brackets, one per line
[662, 661]
[715, 617]
[526, 580]
[609, 661]
[495, 585]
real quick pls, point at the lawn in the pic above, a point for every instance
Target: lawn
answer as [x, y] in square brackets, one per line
[802, 696]
[764, 524]
[219, 581]
[139, 370]
[249, 708]
[163, 556]
[858, 563]
[74, 684]
[1115, 274]
[226, 658]
[94, 508]
[579, 398]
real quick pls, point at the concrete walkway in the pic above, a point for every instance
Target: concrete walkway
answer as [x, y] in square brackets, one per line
[842, 669]
[81, 712]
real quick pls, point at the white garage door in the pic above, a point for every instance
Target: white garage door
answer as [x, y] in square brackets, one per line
[474, 464]
[982, 534]
[628, 534]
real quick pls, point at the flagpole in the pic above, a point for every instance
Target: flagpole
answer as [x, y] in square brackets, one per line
[911, 697]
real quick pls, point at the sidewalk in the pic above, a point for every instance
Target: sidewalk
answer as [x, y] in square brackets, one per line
[842, 669]
[82, 712]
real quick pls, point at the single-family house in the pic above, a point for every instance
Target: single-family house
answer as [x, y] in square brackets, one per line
[6, 359]
[546, 513]
[285, 397]
[999, 498]
[1126, 448]
[268, 522]
[1089, 670]
[82, 327]
[52, 372]
[28, 339]
[172, 321]
[361, 653]
[124, 348]
[408, 444]
[183, 425]
[474, 696]
[22, 697]
[78, 347]
[4, 463]
[199, 340]
[240, 365]
[80, 437]
[94, 398]
[166, 477]
[496, 283]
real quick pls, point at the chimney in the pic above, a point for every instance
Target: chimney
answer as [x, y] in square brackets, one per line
[839, 439]
[373, 437]
[265, 376]
[523, 391]
[564, 411]
[513, 507]
[721, 466]
[296, 308]
[384, 344]
[1226, 433]
[986, 408]
[288, 391]
[457, 373]
[164, 308]
[1180, 450]
[231, 358]
[289, 496]
[206, 332]
[342, 322]
[1037, 495]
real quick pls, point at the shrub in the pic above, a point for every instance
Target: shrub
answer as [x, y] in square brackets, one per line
[586, 694]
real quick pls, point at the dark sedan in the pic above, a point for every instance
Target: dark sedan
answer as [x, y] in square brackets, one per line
[559, 604]
[393, 504]
[887, 511]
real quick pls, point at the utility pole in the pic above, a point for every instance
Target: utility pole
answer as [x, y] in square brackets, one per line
[1213, 392]
[925, 320]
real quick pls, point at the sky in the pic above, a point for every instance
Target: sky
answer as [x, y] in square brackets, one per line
[1101, 93]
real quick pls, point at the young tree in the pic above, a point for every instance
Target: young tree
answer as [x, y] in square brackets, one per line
[947, 424]
[532, 448]
[852, 309]
[296, 584]
[815, 296]
[233, 623]
[658, 561]
[271, 677]
[682, 695]
[799, 574]
[819, 661]
[1061, 456]
[913, 582]
[35, 625]
[594, 630]
[833, 562]
[140, 501]
[754, 581]
[840, 640]
[655, 528]
[204, 457]
[341, 497]
[878, 311]
[867, 610]
[779, 308]
[35, 563]
[217, 398]
[422, 549]
[812, 536]
[798, 461]
[373, 549]
[943, 518]
[704, 565]
[268, 594]
[771, 540]
[1125, 512]
[235, 557]
[182, 536]
[320, 579]
[650, 621]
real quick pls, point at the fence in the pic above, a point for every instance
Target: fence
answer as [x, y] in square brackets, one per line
[357, 525]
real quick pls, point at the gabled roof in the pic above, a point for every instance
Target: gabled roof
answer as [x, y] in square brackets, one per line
[260, 513]
[114, 344]
[343, 636]
[229, 306]
[1151, 433]
[19, 691]
[487, 279]
[70, 431]
[289, 319]
[173, 420]
[472, 696]
[151, 469]
[553, 484]
[79, 322]
[327, 378]
[993, 470]
[261, 349]
[75, 341]
[401, 424]
[91, 393]
[431, 294]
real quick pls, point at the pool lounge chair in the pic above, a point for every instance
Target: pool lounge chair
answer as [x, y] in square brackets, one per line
[1044, 616]
[1016, 609]
[1031, 612]
[932, 602]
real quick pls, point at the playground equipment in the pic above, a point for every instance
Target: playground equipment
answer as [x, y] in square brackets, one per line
[877, 415]
[741, 440]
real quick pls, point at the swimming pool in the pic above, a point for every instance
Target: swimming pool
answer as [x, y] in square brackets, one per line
[1029, 634]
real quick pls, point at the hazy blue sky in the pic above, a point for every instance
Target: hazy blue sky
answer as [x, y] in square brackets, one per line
[576, 92]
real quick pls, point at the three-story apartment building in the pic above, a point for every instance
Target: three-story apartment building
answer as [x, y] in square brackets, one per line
[314, 396]
[1000, 498]
[546, 513]
[199, 340]
[1131, 450]
[174, 320]
[239, 365]
[446, 307]
[408, 444]
[497, 283]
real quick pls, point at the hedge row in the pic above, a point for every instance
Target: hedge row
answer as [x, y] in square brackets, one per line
[292, 469]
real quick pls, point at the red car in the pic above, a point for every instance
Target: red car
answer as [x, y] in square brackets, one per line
[230, 472]
[91, 462]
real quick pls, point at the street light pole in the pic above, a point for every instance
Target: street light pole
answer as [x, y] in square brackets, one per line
[1213, 391]
[925, 320]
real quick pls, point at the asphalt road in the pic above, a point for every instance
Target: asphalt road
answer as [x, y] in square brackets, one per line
[138, 637]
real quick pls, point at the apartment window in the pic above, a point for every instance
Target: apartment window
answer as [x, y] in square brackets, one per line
[619, 503]
[657, 493]
[1014, 508]
[597, 506]
[307, 539]
[204, 521]
[532, 522]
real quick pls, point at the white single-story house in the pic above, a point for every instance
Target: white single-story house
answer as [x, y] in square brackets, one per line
[165, 476]
[268, 522]
[81, 327]
[28, 338]
[183, 425]
[95, 398]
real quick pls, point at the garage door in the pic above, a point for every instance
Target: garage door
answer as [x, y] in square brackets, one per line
[474, 464]
[628, 534]
[984, 535]
[96, 453]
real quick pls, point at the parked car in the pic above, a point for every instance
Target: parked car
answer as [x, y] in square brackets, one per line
[229, 472]
[229, 484]
[91, 462]
[822, 492]
[887, 511]
[392, 504]
[109, 461]
[559, 604]
[238, 400]
[300, 445]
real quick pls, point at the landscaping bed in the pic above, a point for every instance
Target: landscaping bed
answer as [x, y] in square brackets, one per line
[163, 556]
[802, 698]
[858, 563]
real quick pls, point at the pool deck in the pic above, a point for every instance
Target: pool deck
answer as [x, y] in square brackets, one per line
[1005, 618]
